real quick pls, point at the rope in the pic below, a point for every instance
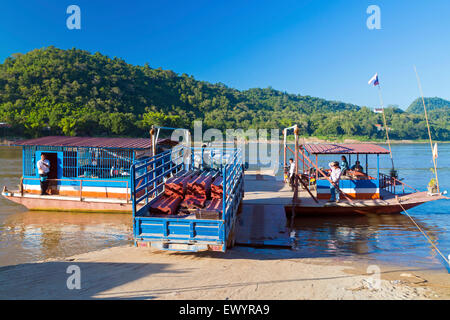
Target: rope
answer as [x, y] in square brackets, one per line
[423, 232]
[428, 126]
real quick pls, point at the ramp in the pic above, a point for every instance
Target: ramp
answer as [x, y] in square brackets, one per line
[263, 220]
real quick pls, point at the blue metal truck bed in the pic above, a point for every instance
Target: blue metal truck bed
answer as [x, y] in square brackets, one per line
[186, 232]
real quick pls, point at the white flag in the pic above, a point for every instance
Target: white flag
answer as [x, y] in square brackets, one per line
[374, 80]
[435, 151]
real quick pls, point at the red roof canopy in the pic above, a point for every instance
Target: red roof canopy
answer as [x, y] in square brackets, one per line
[119, 143]
[338, 148]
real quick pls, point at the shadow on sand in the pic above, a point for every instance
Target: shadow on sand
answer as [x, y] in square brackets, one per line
[48, 280]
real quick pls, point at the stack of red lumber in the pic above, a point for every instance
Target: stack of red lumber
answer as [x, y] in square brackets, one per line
[214, 205]
[175, 189]
[212, 210]
[166, 205]
[198, 189]
[191, 202]
[177, 186]
[217, 188]
[200, 186]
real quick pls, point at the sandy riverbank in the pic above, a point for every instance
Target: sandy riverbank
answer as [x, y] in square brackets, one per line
[242, 273]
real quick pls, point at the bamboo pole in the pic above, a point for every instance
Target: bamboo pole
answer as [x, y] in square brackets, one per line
[428, 126]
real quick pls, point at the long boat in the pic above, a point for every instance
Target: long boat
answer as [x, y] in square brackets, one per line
[86, 174]
[360, 193]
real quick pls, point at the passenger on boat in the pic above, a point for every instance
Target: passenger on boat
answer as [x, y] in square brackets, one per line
[291, 173]
[43, 170]
[344, 165]
[357, 167]
[335, 176]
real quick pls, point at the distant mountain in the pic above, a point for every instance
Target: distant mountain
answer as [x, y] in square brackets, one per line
[51, 91]
[432, 104]
[74, 92]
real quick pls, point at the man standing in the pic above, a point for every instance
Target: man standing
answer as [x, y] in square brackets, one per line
[291, 173]
[335, 176]
[43, 170]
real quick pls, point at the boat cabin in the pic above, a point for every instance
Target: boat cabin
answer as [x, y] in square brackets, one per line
[356, 183]
[84, 166]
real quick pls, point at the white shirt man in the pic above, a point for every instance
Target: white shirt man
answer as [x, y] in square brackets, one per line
[43, 165]
[334, 176]
[43, 170]
[291, 169]
[291, 173]
[335, 173]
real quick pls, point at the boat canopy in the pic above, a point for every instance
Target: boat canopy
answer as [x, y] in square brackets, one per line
[89, 142]
[338, 148]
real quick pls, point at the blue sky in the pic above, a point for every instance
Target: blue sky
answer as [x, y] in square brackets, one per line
[316, 47]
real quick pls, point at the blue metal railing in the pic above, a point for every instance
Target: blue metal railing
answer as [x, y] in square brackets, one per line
[148, 176]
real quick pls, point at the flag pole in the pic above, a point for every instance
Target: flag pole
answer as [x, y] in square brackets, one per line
[385, 124]
[428, 126]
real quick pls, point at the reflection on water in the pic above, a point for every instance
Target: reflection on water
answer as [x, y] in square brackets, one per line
[385, 237]
[32, 236]
[27, 236]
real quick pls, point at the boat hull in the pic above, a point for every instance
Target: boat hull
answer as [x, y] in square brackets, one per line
[346, 210]
[389, 205]
[49, 203]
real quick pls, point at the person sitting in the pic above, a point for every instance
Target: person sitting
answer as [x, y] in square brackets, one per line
[357, 167]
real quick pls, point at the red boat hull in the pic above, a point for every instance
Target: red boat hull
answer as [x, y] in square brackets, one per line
[347, 210]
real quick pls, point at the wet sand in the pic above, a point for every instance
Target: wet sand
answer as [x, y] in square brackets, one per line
[242, 273]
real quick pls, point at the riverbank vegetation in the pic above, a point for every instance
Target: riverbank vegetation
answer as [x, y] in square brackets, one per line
[51, 91]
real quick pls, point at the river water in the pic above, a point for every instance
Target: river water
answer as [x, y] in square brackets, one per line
[31, 236]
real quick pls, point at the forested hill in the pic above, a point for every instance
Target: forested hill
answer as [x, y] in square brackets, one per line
[432, 104]
[73, 92]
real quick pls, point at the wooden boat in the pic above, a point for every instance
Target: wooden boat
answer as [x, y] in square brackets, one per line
[388, 204]
[360, 193]
[86, 174]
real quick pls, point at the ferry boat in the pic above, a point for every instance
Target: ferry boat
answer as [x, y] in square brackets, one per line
[360, 193]
[86, 174]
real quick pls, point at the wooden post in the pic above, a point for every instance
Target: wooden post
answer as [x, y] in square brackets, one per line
[296, 199]
[81, 190]
[296, 149]
[378, 166]
[317, 173]
[367, 164]
[303, 160]
[152, 136]
[284, 149]
[21, 187]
